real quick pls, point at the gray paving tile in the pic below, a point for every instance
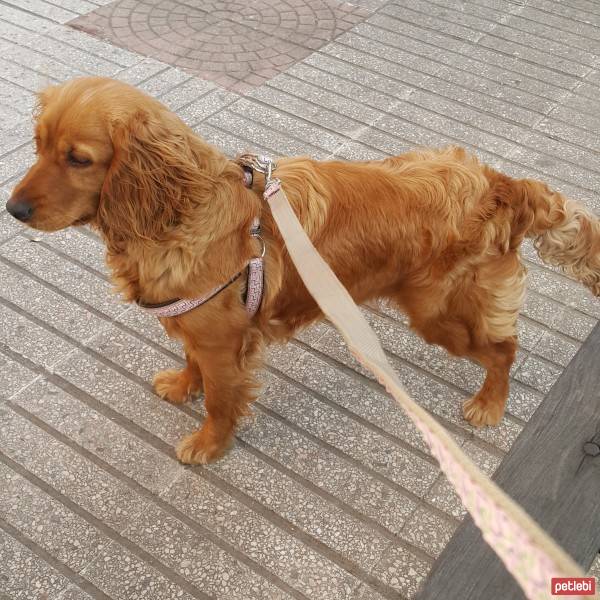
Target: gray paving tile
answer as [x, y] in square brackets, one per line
[538, 373]
[47, 522]
[164, 81]
[402, 571]
[122, 575]
[185, 93]
[98, 434]
[298, 565]
[368, 447]
[61, 467]
[17, 161]
[323, 520]
[281, 122]
[74, 593]
[229, 143]
[67, 276]
[280, 143]
[30, 340]
[428, 531]
[558, 26]
[362, 93]
[428, 17]
[442, 496]
[208, 105]
[9, 226]
[82, 247]
[134, 401]
[201, 562]
[330, 472]
[21, 571]
[91, 45]
[13, 376]
[45, 10]
[45, 304]
[19, 37]
[141, 71]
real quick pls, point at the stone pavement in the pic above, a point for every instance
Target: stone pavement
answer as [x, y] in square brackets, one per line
[329, 492]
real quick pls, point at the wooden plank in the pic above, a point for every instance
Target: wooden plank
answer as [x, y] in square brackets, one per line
[550, 474]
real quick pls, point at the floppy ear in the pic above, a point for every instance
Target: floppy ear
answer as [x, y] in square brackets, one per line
[43, 99]
[144, 191]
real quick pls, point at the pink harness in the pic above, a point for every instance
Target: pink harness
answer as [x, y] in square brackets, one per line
[254, 285]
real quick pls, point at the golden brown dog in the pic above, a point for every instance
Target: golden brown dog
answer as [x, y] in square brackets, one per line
[434, 231]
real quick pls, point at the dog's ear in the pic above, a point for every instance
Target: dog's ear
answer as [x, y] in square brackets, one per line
[44, 98]
[142, 192]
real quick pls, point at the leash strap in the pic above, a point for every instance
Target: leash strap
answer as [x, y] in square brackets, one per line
[528, 553]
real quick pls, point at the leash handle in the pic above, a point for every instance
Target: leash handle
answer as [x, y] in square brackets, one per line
[528, 553]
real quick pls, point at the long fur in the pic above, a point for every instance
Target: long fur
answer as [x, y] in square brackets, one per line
[434, 231]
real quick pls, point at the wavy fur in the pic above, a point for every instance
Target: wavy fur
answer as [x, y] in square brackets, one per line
[434, 231]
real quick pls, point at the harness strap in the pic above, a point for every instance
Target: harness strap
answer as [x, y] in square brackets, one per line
[254, 285]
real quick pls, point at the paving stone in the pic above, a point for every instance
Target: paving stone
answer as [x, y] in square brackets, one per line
[273, 119]
[13, 377]
[67, 276]
[237, 49]
[30, 340]
[340, 431]
[298, 565]
[428, 531]
[98, 434]
[122, 575]
[428, 17]
[323, 520]
[92, 45]
[50, 307]
[186, 93]
[44, 9]
[402, 571]
[9, 226]
[557, 316]
[442, 496]
[21, 571]
[229, 143]
[280, 143]
[370, 496]
[15, 162]
[47, 522]
[208, 105]
[206, 566]
[134, 401]
[141, 71]
[67, 471]
[74, 593]
[58, 50]
[538, 373]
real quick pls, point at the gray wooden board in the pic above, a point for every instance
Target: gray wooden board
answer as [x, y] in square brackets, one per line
[549, 474]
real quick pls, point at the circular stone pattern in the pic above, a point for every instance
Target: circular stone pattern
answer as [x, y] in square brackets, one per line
[238, 45]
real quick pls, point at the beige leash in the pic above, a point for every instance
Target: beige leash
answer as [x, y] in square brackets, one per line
[528, 553]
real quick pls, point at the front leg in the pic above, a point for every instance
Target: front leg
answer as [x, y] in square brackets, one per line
[229, 386]
[179, 385]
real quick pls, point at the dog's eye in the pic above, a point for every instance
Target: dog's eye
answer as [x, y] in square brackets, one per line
[78, 161]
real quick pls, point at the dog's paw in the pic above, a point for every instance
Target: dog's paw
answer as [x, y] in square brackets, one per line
[479, 412]
[174, 386]
[200, 448]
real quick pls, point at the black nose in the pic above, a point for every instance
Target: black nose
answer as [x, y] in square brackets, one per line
[19, 209]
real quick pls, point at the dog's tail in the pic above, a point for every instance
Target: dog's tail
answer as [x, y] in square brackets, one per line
[565, 233]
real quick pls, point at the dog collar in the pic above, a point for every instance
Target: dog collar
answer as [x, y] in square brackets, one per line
[254, 285]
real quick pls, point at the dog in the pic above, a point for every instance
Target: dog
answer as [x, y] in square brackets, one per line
[435, 232]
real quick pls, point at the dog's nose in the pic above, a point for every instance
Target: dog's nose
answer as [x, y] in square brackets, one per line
[20, 209]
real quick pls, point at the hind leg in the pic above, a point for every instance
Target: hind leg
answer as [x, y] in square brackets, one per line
[476, 319]
[487, 406]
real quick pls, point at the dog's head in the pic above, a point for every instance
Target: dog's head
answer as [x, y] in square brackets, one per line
[96, 139]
